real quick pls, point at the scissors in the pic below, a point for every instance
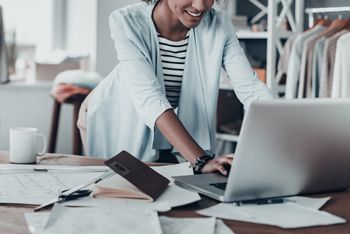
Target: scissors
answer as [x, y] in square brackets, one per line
[74, 195]
[75, 192]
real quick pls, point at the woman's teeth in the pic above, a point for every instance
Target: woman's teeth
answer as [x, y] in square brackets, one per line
[194, 14]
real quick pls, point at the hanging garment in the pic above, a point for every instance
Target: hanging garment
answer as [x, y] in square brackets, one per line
[283, 62]
[341, 80]
[317, 63]
[295, 61]
[326, 80]
[306, 74]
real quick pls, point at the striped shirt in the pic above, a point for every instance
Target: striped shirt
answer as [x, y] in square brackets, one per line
[173, 55]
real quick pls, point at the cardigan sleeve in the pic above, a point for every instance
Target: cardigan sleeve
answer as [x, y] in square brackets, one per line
[135, 70]
[245, 82]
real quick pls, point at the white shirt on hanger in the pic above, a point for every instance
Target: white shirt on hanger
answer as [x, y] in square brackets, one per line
[295, 62]
[341, 84]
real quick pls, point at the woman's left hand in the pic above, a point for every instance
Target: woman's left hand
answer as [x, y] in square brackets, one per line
[217, 164]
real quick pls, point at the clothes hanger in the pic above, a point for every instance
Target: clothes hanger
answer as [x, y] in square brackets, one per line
[317, 21]
[322, 20]
[334, 27]
[347, 25]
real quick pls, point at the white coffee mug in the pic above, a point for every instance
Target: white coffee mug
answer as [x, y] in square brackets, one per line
[24, 144]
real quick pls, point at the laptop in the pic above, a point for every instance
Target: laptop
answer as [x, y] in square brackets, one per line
[285, 148]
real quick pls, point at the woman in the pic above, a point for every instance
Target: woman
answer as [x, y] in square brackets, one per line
[162, 95]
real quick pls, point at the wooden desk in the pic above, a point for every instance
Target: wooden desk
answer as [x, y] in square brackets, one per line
[12, 219]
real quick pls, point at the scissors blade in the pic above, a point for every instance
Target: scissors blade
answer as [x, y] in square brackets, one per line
[47, 204]
[84, 185]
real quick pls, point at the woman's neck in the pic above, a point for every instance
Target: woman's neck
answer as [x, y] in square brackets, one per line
[167, 25]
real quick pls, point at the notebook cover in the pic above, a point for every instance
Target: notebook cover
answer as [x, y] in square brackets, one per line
[139, 174]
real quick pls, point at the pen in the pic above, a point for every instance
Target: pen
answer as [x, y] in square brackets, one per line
[261, 201]
[40, 169]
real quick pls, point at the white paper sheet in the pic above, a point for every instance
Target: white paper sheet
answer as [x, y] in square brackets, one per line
[115, 219]
[285, 215]
[177, 196]
[169, 171]
[314, 203]
[36, 221]
[173, 195]
[38, 187]
[161, 206]
[6, 168]
[193, 225]
[221, 228]
[187, 225]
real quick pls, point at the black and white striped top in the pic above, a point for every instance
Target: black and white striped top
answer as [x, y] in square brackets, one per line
[173, 55]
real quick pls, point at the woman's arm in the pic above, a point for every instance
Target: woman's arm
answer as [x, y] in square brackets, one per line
[244, 80]
[174, 131]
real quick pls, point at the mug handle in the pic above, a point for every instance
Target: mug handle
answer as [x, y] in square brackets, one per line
[44, 144]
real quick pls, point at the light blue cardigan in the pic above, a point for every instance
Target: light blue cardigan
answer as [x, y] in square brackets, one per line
[124, 107]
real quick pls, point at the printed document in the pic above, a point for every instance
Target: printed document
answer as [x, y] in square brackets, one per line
[193, 225]
[115, 219]
[37, 221]
[33, 187]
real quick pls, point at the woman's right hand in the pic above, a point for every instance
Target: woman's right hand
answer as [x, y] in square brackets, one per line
[217, 164]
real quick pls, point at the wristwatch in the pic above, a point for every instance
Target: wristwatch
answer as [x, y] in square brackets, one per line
[201, 162]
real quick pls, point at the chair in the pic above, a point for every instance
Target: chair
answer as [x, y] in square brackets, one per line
[70, 87]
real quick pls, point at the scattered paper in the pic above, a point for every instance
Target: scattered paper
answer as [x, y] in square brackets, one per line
[193, 225]
[161, 206]
[177, 196]
[187, 225]
[115, 219]
[169, 171]
[36, 221]
[314, 203]
[173, 195]
[6, 168]
[38, 187]
[221, 228]
[285, 215]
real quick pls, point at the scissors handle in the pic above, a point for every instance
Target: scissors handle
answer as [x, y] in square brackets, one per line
[75, 195]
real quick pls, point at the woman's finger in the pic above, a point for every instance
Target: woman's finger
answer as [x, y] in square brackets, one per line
[221, 168]
[228, 155]
[225, 160]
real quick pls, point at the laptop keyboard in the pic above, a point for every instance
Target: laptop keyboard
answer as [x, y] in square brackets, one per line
[221, 186]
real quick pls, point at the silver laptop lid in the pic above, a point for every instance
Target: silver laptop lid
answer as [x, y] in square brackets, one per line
[291, 147]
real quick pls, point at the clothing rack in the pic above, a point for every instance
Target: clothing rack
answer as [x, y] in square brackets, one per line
[312, 11]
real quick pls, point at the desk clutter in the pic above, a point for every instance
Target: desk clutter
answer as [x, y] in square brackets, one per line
[117, 204]
[295, 212]
[125, 220]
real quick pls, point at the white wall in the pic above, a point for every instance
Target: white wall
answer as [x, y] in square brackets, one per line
[81, 23]
[32, 21]
[87, 29]
[30, 105]
[106, 56]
